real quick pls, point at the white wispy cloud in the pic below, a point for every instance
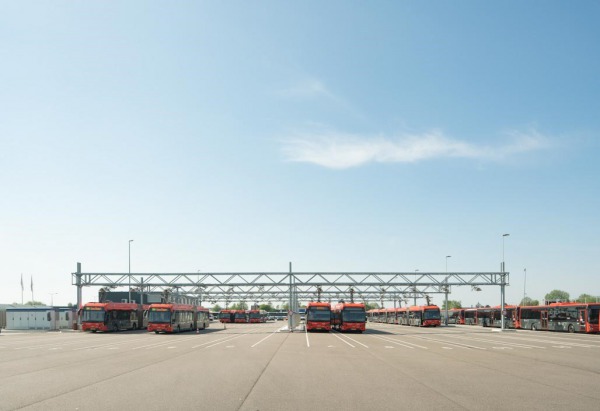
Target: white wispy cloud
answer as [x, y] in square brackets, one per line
[339, 151]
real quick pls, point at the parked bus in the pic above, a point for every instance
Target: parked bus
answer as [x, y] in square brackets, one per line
[169, 318]
[111, 316]
[569, 317]
[257, 316]
[318, 316]
[348, 317]
[455, 315]
[226, 316]
[495, 318]
[239, 316]
[202, 318]
[424, 316]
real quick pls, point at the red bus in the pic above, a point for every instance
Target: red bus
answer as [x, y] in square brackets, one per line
[348, 317]
[112, 316]
[239, 316]
[455, 316]
[202, 318]
[257, 316]
[569, 317]
[170, 318]
[424, 316]
[318, 316]
[226, 316]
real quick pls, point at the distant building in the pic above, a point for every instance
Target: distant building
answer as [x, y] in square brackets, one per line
[39, 318]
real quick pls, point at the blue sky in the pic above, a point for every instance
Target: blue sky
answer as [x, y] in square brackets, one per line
[346, 136]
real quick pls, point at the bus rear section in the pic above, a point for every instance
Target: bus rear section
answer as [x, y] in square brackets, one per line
[255, 316]
[202, 318]
[111, 317]
[170, 318]
[348, 317]
[318, 316]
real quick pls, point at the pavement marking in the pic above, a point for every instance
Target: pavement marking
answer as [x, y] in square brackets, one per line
[502, 348]
[394, 342]
[212, 341]
[345, 336]
[459, 345]
[221, 342]
[306, 333]
[230, 346]
[551, 341]
[169, 341]
[270, 335]
[406, 343]
[447, 348]
[499, 342]
[561, 346]
[340, 338]
[388, 346]
[108, 345]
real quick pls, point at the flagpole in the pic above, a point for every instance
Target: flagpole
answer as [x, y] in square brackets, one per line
[21, 288]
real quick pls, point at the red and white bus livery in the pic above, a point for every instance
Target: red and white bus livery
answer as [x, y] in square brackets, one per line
[169, 318]
[318, 316]
[348, 317]
[111, 316]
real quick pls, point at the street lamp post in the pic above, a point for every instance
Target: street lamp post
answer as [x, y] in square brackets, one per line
[52, 299]
[129, 298]
[524, 285]
[502, 285]
[446, 288]
[415, 289]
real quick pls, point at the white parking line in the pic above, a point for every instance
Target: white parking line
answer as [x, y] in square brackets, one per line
[306, 333]
[343, 340]
[350, 338]
[394, 342]
[270, 335]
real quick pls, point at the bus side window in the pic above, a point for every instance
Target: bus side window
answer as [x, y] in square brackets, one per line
[48, 315]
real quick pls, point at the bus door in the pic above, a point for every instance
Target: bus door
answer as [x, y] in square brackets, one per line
[544, 319]
[583, 322]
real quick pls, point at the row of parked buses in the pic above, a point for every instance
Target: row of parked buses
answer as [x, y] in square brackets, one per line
[341, 316]
[166, 318]
[416, 315]
[243, 316]
[568, 317]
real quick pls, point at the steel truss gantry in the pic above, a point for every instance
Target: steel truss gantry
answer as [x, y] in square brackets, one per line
[295, 286]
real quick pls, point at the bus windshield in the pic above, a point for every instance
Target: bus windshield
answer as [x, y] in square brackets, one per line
[319, 315]
[93, 315]
[353, 315]
[159, 315]
[431, 315]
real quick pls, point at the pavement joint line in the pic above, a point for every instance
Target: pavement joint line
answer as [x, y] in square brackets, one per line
[343, 340]
[224, 339]
[350, 338]
[167, 342]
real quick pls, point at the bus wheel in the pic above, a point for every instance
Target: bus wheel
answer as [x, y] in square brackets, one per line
[134, 326]
[571, 328]
[155, 332]
[178, 329]
[533, 327]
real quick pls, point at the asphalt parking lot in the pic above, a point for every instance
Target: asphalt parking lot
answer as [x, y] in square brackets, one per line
[257, 367]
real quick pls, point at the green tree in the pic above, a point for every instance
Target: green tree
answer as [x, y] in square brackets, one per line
[557, 295]
[529, 301]
[371, 306]
[34, 303]
[216, 308]
[451, 304]
[239, 306]
[266, 307]
[587, 298]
